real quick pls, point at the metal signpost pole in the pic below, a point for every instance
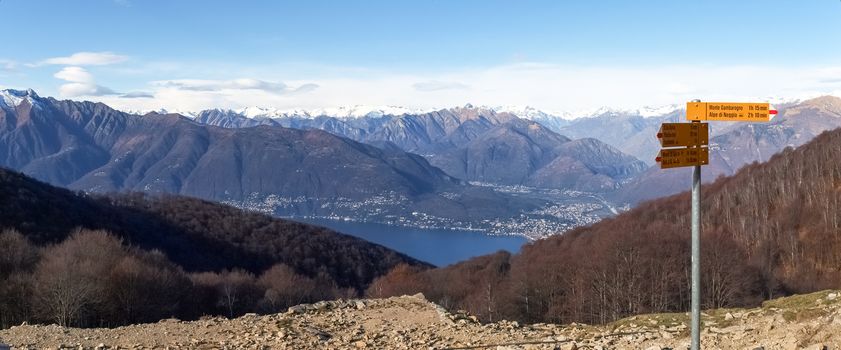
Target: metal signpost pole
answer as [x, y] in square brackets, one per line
[696, 258]
[695, 342]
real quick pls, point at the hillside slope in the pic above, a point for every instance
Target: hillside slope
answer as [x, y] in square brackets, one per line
[197, 235]
[770, 230]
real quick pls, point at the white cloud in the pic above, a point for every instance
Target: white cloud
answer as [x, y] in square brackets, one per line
[236, 84]
[81, 89]
[74, 74]
[85, 59]
[435, 85]
[137, 94]
[80, 83]
[7, 65]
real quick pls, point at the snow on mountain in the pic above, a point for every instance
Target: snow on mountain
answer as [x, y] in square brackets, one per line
[555, 119]
[531, 113]
[368, 111]
[350, 112]
[595, 112]
[188, 114]
[781, 101]
[648, 111]
[645, 112]
[254, 112]
[12, 98]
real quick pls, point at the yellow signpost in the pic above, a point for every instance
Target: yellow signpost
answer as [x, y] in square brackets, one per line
[681, 157]
[727, 111]
[683, 134]
[686, 144]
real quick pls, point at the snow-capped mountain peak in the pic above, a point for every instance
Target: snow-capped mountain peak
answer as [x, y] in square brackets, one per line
[13, 98]
[188, 114]
[360, 111]
[531, 113]
[649, 111]
[256, 112]
[348, 112]
[645, 112]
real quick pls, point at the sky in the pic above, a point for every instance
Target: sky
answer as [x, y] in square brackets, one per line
[558, 56]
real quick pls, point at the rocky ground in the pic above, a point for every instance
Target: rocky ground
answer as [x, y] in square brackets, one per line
[810, 321]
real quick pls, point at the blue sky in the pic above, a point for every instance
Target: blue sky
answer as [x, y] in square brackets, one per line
[555, 55]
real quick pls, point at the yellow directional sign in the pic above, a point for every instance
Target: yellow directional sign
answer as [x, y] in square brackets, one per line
[726, 111]
[684, 134]
[681, 157]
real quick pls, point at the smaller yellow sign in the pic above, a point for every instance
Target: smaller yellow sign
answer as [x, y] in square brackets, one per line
[681, 157]
[684, 134]
[726, 111]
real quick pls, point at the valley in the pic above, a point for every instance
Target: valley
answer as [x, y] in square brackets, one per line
[312, 173]
[558, 211]
[463, 168]
[439, 175]
[401, 201]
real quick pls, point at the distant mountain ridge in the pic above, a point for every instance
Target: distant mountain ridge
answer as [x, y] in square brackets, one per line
[631, 131]
[475, 144]
[524, 152]
[361, 111]
[90, 146]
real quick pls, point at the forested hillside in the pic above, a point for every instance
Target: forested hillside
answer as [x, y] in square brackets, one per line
[772, 229]
[166, 255]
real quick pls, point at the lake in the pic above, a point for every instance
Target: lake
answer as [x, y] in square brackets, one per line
[436, 246]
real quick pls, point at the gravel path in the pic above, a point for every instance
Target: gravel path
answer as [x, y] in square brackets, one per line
[411, 322]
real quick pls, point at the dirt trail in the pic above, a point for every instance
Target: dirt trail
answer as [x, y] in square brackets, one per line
[410, 322]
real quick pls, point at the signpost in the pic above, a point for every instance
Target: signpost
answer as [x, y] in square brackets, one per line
[729, 111]
[685, 144]
[683, 134]
[681, 157]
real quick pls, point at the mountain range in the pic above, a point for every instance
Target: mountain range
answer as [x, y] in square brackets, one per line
[631, 131]
[472, 143]
[283, 171]
[466, 167]
[90, 146]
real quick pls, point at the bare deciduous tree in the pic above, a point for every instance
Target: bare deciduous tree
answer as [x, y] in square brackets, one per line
[71, 279]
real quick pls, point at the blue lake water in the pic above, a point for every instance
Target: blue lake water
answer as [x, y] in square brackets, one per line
[438, 247]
